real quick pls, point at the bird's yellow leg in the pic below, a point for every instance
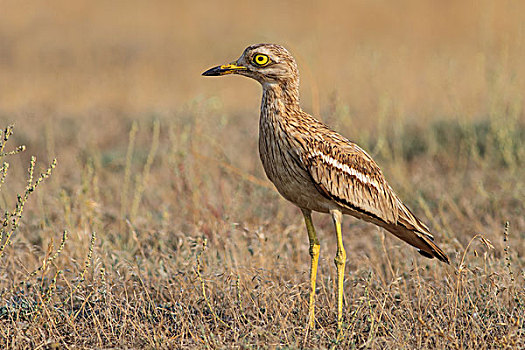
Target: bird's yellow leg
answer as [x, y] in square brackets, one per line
[314, 255]
[340, 259]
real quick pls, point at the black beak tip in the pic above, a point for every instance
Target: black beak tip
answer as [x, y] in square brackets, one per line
[212, 72]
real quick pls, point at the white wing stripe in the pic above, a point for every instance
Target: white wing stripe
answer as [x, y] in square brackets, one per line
[345, 168]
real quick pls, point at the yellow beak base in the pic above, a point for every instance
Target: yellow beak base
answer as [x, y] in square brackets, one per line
[223, 70]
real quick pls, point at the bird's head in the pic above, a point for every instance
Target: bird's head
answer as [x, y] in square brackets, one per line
[266, 63]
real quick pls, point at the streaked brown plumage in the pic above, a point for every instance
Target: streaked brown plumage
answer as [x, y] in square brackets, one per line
[316, 168]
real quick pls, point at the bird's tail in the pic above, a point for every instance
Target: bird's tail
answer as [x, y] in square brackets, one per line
[411, 230]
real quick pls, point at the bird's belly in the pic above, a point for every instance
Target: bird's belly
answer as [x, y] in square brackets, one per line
[307, 200]
[293, 182]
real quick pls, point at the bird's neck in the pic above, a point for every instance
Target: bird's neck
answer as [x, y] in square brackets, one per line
[280, 99]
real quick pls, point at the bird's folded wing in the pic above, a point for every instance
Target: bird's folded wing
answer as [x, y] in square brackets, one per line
[349, 176]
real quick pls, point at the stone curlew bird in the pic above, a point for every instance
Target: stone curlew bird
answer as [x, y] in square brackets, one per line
[316, 168]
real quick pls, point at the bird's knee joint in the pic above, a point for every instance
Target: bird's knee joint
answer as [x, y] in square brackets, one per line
[340, 258]
[314, 249]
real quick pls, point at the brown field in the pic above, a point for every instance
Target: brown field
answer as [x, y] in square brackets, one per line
[157, 227]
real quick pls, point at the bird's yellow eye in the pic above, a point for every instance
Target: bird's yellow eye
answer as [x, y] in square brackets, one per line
[261, 60]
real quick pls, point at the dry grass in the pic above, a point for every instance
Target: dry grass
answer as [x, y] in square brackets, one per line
[157, 227]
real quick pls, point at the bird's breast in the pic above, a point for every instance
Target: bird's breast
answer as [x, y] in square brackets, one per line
[282, 164]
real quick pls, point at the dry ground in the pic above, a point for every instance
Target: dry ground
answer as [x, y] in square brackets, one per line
[157, 227]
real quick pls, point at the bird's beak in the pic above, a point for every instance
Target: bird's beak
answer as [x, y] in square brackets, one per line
[224, 69]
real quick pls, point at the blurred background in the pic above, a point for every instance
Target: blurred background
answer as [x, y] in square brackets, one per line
[425, 57]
